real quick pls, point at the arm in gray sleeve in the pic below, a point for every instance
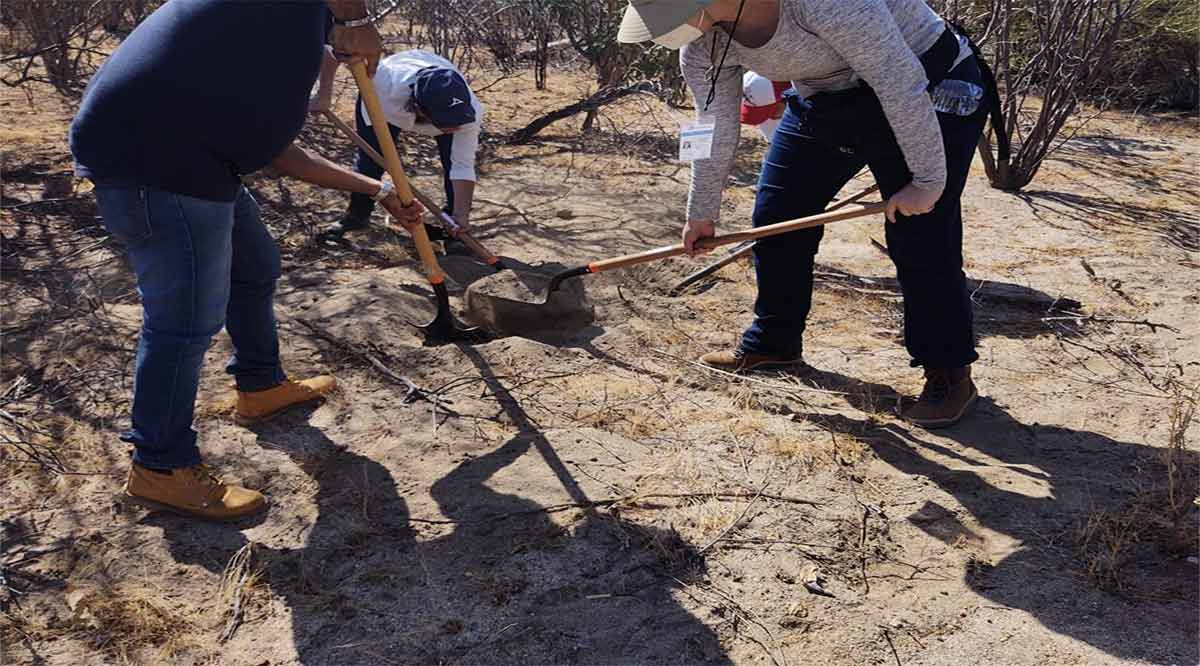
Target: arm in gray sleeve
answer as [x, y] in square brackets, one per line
[709, 176]
[865, 33]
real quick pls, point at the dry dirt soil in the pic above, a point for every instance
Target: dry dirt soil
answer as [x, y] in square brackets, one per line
[602, 499]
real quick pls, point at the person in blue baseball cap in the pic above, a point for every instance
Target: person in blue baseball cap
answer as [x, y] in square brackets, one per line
[424, 93]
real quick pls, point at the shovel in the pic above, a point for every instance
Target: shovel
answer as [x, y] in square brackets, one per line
[509, 303]
[443, 328]
[628, 260]
[744, 248]
[451, 225]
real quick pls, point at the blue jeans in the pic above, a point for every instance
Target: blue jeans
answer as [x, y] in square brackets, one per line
[817, 149]
[200, 265]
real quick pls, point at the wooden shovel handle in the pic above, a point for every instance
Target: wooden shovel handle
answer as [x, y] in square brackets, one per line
[370, 98]
[848, 213]
[467, 239]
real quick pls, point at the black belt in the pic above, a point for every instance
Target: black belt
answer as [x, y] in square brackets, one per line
[938, 60]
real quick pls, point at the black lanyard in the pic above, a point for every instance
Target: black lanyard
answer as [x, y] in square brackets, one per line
[712, 79]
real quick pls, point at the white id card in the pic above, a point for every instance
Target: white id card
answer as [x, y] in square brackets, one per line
[695, 142]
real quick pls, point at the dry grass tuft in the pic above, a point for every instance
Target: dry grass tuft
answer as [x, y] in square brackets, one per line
[671, 551]
[621, 405]
[128, 622]
[1105, 539]
[1180, 478]
[1163, 497]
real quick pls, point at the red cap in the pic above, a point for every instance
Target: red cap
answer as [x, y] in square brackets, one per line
[756, 115]
[755, 83]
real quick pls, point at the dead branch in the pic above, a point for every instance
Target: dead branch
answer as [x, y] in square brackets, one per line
[888, 636]
[239, 568]
[413, 392]
[725, 532]
[1080, 319]
[606, 95]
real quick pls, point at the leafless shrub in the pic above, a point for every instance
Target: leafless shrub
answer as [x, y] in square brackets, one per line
[591, 25]
[58, 35]
[124, 15]
[1047, 55]
[1157, 62]
[541, 31]
[464, 31]
[1105, 539]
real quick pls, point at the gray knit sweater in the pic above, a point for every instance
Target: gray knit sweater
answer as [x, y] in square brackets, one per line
[825, 45]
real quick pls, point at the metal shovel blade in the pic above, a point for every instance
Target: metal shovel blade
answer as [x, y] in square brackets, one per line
[530, 303]
[445, 328]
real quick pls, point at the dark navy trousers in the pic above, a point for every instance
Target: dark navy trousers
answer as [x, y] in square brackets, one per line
[819, 146]
[361, 205]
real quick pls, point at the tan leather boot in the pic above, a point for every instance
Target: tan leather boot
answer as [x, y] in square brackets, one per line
[736, 360]
[948, 394]
[191, 491]
[256, 406]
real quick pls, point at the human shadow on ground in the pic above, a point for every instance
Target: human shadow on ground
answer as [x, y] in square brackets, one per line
[1001, 309]
[1078, 475]
[507, 584]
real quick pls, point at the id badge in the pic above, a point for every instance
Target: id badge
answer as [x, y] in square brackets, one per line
[695, 142]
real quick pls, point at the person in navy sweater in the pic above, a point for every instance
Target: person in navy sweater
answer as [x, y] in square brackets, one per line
[200, 94]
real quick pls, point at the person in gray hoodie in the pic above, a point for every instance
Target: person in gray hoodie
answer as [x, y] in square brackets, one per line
[885, 84]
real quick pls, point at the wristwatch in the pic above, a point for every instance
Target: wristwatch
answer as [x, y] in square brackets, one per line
[385, 189]
[354, 22]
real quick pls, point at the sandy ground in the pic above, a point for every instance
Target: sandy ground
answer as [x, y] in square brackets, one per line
[603, 500]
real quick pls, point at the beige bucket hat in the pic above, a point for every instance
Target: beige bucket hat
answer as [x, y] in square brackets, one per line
[645, 20]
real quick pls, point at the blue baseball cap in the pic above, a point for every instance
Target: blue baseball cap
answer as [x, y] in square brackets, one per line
[444, 98]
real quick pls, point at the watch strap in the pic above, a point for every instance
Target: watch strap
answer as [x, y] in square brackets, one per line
[354, 23]
[385, 189]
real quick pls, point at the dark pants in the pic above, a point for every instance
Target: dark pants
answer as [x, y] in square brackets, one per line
[200, 265]
[361, 205]
[816, 150]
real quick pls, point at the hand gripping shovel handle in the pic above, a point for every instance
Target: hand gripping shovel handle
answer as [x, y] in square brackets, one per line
[475, 246]
[391, 158]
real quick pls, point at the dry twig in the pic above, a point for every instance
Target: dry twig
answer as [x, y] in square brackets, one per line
[239, 569]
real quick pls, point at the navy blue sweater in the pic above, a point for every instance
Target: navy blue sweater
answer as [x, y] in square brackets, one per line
[202, 92]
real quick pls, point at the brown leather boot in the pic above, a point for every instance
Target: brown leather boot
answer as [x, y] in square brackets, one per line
[191, 491]
[256, 406]
[948, 394]
[736, 360]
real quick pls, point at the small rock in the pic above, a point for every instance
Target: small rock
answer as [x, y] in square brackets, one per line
[564, 214]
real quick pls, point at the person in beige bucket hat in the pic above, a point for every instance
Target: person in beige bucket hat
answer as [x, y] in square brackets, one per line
[885, 84]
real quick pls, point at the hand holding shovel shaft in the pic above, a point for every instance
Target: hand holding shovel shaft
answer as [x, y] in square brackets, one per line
[370, 98]
[467, 239]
